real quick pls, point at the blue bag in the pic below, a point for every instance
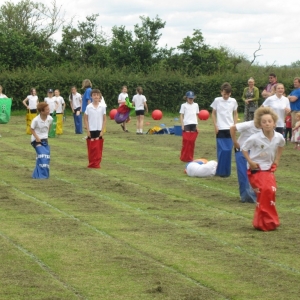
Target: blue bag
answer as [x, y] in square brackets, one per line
[224, 148]
[78, 123]
[41, 170]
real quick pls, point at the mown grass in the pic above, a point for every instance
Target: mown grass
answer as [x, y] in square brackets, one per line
[138, 228]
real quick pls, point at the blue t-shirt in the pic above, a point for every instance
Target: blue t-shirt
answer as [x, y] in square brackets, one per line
[295, 105]
[86, 96]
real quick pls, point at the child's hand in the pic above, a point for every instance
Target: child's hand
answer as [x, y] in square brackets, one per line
[236, 145]
[253, 165]
[216, 129]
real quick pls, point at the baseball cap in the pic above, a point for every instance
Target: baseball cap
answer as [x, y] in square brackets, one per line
[50, 91]
[190, 94]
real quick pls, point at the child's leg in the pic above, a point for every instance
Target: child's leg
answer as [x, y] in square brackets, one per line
[138, 123]
[141, 123]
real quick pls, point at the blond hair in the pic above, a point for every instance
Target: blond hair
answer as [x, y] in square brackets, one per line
[251, 79]
[86, 83]
[261, 111]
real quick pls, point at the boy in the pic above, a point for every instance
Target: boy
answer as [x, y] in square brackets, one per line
[224, 115]
[265, 151]
[95, 121]
[189, 122]
[40, 127]
[246, 129]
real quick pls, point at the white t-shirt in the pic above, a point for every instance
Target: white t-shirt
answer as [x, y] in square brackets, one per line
[189, 112]
[224, 109]
[3, 96]
[52, 103]
[32, 101]
[278, 105]
[139, 101]
[122, 98]
[262, 150]
[95, 116]
[246, 129]
[75, 99]
[41, 127]
[60, 101]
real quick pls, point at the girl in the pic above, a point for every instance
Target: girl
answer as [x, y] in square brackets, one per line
[139, 101]
[280, 104]
[296, 132]
[189, 122]
[40, 127]
[76, 103]
[265, 151]
[2, 95]
[51, 101]
[33, 101]
[122, 100]
[224, 115]
[86, 98]
[59, 111]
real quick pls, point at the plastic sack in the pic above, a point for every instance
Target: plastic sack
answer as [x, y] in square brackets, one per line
[29, 117]
[5, 110]
[264, 185]
[194, 169]
[188, 145]
[95, 148]
[78, 123]
[52, 131]
[224, 148]
[59, 124]
[41, 170]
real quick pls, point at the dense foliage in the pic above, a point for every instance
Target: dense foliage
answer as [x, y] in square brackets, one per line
[31, 57]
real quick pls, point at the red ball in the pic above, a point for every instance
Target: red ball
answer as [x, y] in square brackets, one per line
[112, 113]
[157, 114]
[203, 114]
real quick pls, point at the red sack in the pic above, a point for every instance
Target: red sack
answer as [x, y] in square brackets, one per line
[188, 145]
[123, 109]
[95, 149]
[264, 185]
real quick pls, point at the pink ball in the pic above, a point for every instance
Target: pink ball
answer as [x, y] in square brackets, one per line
[157, 114]
[112, 113]
[203, 114]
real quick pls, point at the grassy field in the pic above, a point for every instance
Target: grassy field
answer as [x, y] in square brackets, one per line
[138, 228]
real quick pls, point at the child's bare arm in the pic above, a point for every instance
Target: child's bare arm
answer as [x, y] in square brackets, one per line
[235, 116]
[103, 125]
[253, 165]
[214, 118]
[25, 104]
[86, 123]
[181, 121]
[233, 137]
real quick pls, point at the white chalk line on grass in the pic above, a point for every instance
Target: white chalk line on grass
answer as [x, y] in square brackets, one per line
[208, 236]
[43, 266]
[103, 233]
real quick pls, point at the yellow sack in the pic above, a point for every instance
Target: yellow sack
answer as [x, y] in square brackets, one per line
[29, 117]
[59, 124]
[153, 130]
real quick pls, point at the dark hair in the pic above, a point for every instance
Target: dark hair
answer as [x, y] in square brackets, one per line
[139, 89]
[72, 87]
[272, 74]
[41, 106]
[226, 87]
[96, 91]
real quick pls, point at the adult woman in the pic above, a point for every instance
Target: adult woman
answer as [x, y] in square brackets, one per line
[250, 97]
[280, 104]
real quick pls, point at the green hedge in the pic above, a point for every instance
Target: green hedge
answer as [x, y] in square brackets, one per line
[163, 90]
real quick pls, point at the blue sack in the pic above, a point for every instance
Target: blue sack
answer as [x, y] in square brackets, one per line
[247, 194]
[41, 170]
[78, 123]
[224, 148]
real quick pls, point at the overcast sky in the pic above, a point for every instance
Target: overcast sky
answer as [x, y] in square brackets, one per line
[236, 24]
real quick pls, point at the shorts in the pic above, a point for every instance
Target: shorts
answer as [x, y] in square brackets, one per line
[95, 134]
[140, 112]
[33, 111]
[190, 127]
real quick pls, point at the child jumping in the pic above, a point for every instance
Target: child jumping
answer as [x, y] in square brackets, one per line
[189, 124]
[122, 101]
[31, 102]
[59, 111]
[265, 151]
[139, 101]
[40, 127]
[95, 121]
[224, 115]
[76, 103]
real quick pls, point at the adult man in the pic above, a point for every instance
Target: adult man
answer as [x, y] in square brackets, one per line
[294, 98]
[267, 92]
